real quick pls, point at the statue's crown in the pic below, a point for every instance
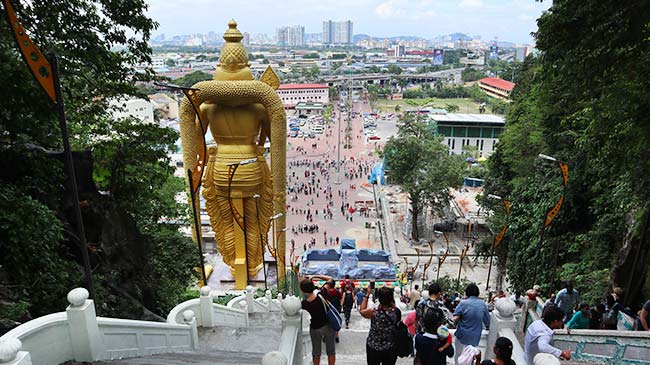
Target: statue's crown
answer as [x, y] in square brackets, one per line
[233, 58]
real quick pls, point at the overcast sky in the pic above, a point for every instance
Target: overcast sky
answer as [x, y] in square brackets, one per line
[509, 20]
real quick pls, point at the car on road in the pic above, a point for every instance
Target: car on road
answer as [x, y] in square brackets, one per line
[374, 138]
[293, 134]
[295, 128]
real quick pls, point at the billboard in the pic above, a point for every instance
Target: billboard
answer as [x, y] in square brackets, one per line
[494, 52]
[438, 56]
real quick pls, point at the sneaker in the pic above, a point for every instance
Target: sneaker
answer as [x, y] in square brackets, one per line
[337, 340]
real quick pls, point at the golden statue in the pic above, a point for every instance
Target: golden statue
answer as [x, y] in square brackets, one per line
[242, 195]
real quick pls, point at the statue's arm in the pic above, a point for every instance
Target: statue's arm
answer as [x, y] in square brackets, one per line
[265, 132]
[191, 134]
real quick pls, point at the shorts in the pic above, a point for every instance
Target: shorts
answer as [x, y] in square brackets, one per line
[317, 335]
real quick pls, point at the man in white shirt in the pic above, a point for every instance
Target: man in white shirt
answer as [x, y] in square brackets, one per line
[567, 299]
[414, 297]
[540, 335]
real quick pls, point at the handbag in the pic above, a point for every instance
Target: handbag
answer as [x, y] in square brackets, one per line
[332, 314]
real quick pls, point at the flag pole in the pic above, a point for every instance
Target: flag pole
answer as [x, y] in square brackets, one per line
[69, 167]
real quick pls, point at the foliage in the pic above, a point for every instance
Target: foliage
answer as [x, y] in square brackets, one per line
[313, 55]
[422, 166]
[471, 74]
[192, 78]
[451, 285]
[584, 102]
[394, 69]
[98, 44]
[224, 299]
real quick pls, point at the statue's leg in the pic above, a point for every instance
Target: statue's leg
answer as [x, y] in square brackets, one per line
[254, 246]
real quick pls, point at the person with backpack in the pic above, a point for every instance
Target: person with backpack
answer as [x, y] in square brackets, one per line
[432, 304]
[432, 347]
[347, 303]
[381, 345]
[319, 328]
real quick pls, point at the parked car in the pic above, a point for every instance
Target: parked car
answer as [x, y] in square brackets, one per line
[374, 138]
[293, 134]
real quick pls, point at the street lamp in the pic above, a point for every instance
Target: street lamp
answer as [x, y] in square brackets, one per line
[499, 237]
[552, 212]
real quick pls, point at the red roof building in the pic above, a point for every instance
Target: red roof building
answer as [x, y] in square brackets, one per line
[292, 94]
[496, 87]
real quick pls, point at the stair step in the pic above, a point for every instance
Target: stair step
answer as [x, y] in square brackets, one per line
[196, 358]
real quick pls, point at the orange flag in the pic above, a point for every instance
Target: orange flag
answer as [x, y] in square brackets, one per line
[37, 63]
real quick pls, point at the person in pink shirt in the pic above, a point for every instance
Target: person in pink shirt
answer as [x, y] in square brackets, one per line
[409, 321]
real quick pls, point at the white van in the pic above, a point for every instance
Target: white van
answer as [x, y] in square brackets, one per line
[317, 129]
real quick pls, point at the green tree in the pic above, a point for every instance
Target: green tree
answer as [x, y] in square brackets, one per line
[96, 57]
[170, 63]
[584, 104]
[452, 108]
[422, 166]
[192, 78]
[394, 69]
[313, 55]
[471, 74]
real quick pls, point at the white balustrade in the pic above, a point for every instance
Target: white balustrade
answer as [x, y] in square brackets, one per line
[503, 324]
[79, 335]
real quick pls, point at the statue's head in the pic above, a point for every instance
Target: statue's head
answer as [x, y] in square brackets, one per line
[233, 60]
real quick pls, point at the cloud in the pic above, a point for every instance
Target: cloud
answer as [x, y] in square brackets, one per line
[525, 17]
[389, 9]
[471, 4]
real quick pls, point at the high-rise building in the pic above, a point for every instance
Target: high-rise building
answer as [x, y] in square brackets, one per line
[247, 39]
[290, 36]
[337, 32]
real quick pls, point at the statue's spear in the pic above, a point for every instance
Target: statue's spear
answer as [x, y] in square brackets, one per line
[46, 72]
[195, 173]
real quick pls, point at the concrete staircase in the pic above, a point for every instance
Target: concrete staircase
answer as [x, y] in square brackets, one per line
[222, 345]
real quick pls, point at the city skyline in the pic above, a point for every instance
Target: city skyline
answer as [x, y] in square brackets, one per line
[509, 20]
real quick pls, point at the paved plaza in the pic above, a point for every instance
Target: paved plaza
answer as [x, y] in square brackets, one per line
[324, 206]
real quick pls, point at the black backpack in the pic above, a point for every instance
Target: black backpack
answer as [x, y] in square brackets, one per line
[403, 341]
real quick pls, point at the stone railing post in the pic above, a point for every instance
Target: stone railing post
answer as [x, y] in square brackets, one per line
[207, 311]
[291, 340]
[190, 318]
[546, 359]
[501, 318]
[249, 299]
[269, 300]
[10, 353]
[87, 344]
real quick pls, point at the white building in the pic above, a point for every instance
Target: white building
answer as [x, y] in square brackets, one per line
[337, 32]
[166, 104]
[138, 108]
[479, 130]
[292, 94]
[293, 36]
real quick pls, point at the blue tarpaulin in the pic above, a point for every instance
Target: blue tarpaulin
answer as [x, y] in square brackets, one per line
[348, 244]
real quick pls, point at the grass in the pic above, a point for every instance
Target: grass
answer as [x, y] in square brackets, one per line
[466, 105]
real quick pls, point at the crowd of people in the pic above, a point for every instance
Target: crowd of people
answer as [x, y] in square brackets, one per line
[435, 312]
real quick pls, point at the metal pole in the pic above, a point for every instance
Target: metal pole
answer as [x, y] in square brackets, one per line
[487, 285]
[69, 167]
[338, 148]
[197, 228]
[460, 267]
